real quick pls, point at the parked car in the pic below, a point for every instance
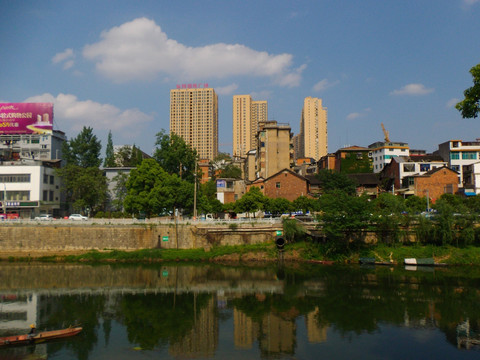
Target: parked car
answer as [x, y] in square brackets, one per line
[77, 217]
[44, 217]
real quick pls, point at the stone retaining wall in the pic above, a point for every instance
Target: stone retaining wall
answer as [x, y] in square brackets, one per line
[27, 239]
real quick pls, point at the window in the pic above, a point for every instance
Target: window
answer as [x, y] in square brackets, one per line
[15, 178]
[409, 167]
[277, 185]
[469, 155]
[454, 156]
[45, 178]
[45, 195]
[52, 180]
[455, 168]
[424, 167]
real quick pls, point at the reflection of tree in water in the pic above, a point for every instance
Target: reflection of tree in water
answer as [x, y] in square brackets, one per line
[275, 317]
[64, 311]
[153, 320]
[354, 300]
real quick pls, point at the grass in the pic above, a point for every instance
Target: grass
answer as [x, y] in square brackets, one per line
[299, 251]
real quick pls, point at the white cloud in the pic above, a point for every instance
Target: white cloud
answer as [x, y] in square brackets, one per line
[323, 85]
[140, 50]
[452, 102]
[68, 64]
[72, 115]
[412, 89]
[353, 116]
[59, 57]
[261, 95]
[470, 2]
[226, 90]
[356, 115]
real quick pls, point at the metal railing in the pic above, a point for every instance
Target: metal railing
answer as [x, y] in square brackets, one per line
[134, 221]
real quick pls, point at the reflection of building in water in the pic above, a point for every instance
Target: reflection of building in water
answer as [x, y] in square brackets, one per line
[17, 312]
[245, 331]
[277, 335]
[202, 339]
[466, 337]
[315, 332]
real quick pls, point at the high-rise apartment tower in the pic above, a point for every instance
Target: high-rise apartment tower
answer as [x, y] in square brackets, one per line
[194, 117]
[246, 116]
[313, 129]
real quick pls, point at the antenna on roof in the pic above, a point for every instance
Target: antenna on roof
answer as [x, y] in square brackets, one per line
[385, 133]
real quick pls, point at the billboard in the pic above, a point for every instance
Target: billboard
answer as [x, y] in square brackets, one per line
[26, 118]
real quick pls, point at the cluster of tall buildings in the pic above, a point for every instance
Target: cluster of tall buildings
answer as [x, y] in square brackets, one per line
[266, 145]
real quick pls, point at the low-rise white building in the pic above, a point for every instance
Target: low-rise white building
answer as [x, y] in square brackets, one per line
[382, 153]
[29, 188]
[459, 153]
[471, 179]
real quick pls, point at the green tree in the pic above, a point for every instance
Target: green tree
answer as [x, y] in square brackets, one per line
[334, 181]
[109, 153]
[84, 184]
[344, 218]
[470, 106]
[251, 202]
[222, 156]
[278, 206]
[84, 150]
[230, 171]
[150, 189]
[416, 204]
[387, 204]
[85, 188]
[128, 156]
[305, 204]
[175, 155]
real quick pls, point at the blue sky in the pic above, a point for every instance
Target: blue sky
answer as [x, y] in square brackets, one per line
[110, 65]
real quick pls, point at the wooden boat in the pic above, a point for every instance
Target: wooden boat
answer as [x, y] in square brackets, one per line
[367, 260]
[372, 261]
[423, 262]
[26, 339]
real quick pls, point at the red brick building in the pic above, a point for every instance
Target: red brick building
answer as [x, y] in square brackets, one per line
[285, 184]
[436, 182]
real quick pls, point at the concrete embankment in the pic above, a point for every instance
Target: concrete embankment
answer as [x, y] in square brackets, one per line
[30, 238]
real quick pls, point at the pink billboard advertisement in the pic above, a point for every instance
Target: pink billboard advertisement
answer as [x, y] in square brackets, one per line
[26, 118]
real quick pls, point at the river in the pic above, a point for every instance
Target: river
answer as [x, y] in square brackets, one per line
[224, 312]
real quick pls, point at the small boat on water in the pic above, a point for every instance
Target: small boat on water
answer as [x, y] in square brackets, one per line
[373, 261]
[422, 262]
[27, 339]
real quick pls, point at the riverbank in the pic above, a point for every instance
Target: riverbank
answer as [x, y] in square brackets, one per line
[259, 253]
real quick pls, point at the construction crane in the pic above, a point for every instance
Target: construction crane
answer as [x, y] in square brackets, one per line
[385, 133]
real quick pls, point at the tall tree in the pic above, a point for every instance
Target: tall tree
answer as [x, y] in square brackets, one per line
[175, 156]
[85, 188]
[83, 182]
[150, 189]
[128, 156]
[470, 106]
[84, 150]
[109, 153]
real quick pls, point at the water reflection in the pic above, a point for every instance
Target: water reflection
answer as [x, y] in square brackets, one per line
[216, 312]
